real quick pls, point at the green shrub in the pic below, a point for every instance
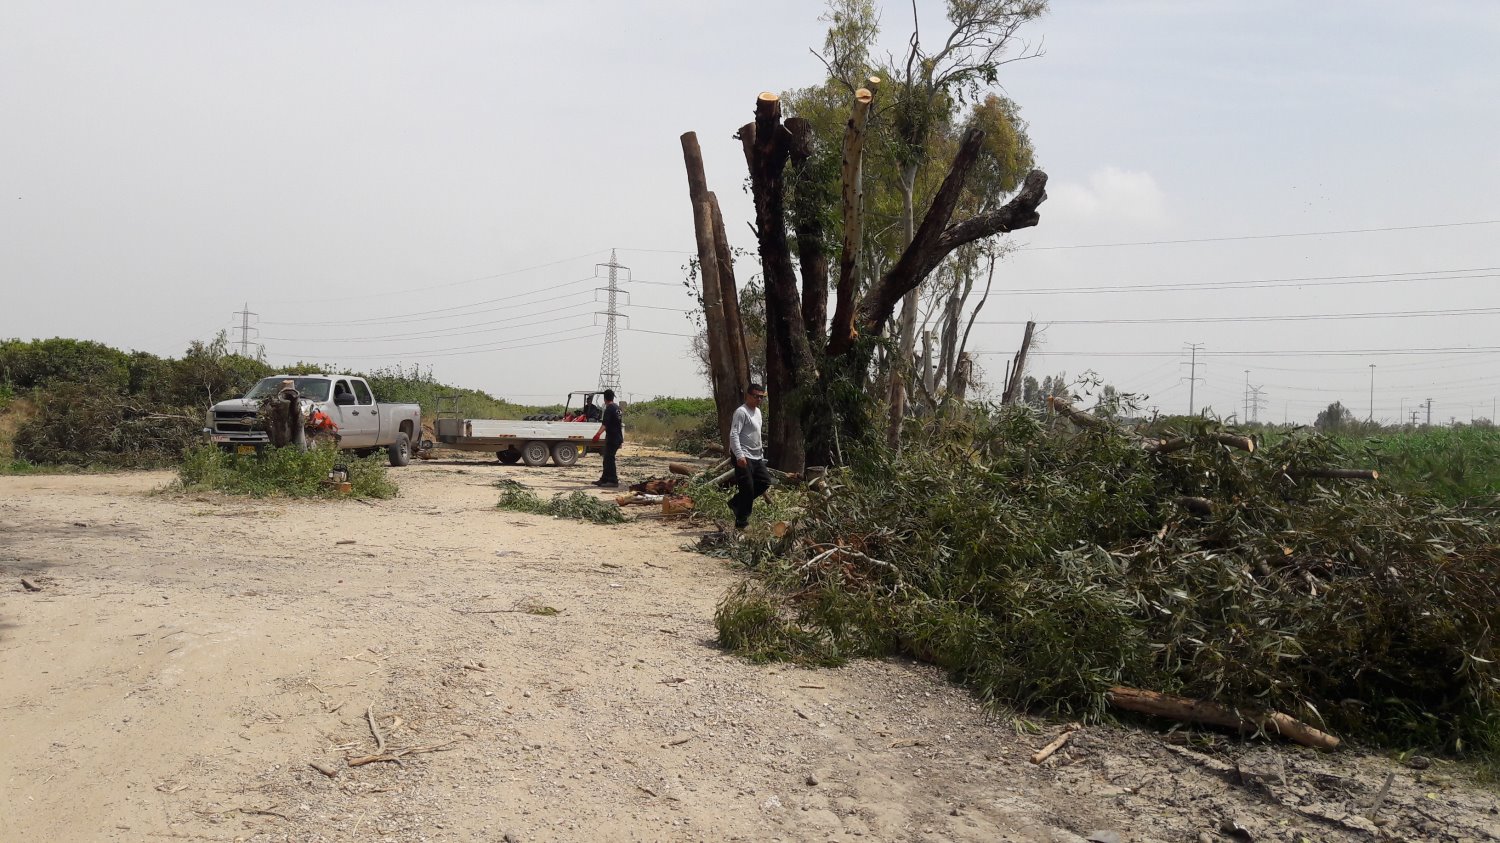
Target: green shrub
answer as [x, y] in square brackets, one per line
[282, 472]
[580, 506]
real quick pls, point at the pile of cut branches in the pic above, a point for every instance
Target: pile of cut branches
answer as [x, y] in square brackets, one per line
[1045, 564]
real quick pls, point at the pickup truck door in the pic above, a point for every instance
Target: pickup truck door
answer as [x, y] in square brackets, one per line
[354, 421]
[379, 429]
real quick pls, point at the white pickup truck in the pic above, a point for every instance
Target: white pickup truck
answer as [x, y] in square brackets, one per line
[363, 423]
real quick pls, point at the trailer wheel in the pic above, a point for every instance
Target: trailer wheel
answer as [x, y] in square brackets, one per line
[509, 457]
[535, 453]
[564, 454]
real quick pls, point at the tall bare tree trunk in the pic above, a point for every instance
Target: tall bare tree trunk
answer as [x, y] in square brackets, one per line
[729, 299]
[726, 387]
[767, 145]
[841, 334]
[1018, 371]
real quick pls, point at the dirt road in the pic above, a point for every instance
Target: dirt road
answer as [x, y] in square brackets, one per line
[187, 658]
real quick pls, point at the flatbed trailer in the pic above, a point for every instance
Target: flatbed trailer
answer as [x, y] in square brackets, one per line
[531, 441]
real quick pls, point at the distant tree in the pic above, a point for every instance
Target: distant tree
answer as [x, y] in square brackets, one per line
[1335, 418]
[1031, 393]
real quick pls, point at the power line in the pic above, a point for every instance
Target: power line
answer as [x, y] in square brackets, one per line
[464, 350]
[1303, 317]
[1257, 236]
[1266, 283]
[431, 335]
[420, 315]
[491, 277]
[1278, 353]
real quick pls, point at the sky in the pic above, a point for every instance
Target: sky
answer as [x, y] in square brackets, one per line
[438, 184]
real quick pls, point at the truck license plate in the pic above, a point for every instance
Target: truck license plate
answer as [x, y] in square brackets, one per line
[248, 450]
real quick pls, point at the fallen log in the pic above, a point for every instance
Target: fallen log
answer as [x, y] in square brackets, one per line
[1177, 443]
[1213, 714]
[1076, 416]
[1332, 473]
[679, 468]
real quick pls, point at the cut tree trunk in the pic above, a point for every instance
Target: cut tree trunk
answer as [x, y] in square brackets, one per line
[767, 145]
[726, 386]
[1018, 371]
[1198, 711]
[807, 222]
[841, 335]
[729, 300]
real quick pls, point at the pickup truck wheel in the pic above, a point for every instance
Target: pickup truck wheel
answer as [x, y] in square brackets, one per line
[510, 457]
[400, 453]
[535, 453]
[564, 454]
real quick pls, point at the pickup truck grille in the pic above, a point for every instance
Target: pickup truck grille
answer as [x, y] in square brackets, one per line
[235, 421]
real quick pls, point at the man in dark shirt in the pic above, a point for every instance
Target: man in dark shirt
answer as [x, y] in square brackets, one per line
[614, 437]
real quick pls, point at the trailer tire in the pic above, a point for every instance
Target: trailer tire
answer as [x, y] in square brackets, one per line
[399, 453]
[509, 457]
[535, 453]
[564, 454]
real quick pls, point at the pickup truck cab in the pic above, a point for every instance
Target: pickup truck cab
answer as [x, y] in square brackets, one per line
[363, 423]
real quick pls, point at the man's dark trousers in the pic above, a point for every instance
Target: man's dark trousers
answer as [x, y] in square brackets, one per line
[610, 475]
[753, 481]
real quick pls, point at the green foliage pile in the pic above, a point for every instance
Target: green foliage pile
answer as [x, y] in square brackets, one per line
[579, 506]
[282, 472]
[1043, 567]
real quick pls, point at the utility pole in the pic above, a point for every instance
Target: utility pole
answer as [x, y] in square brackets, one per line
[1429, 412]
[609, 364]
[245, 329]
[1371, 419]
[1246, 416]
[1192, 374]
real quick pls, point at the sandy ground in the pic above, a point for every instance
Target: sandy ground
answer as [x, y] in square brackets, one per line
[189, 657]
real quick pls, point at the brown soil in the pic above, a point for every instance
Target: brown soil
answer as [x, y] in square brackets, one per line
[189, 657]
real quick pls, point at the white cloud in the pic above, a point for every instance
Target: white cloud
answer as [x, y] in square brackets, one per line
[1110, 199]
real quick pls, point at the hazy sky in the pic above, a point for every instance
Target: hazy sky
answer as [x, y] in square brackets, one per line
[445, 176]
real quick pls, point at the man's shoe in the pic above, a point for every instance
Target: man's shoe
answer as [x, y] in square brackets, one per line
[741, 526]
[610, 485]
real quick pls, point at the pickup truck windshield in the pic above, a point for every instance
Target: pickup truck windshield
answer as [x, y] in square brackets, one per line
[313, 388]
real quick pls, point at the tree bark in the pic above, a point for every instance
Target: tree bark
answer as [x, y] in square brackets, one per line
[729, 299]
[726, 387]
[842, 332]
[767, 145]
[807, 223]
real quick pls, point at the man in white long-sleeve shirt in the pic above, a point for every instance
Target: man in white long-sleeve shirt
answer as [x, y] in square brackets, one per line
[749, 456]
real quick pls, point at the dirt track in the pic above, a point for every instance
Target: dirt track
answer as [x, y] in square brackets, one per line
[188, 657]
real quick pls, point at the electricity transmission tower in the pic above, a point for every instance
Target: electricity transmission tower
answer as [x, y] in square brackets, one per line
[609, 365]
[1192, 378]
[245, 329]
[1257, 400]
